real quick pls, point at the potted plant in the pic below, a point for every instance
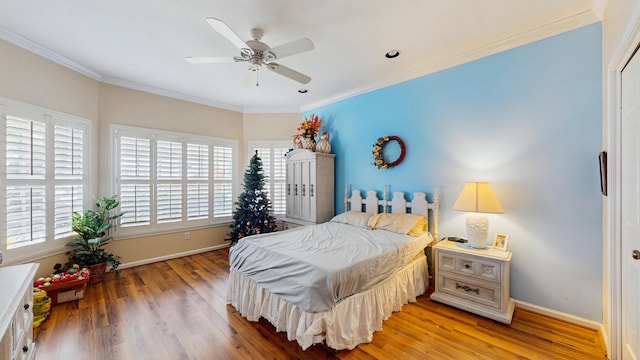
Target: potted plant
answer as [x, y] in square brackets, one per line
[93, 229]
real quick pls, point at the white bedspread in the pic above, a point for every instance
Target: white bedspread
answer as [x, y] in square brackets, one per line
[315, 267]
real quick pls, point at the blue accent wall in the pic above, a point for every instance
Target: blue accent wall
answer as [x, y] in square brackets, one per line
[527, 120]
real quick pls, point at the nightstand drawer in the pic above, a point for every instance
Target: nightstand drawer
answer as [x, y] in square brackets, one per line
[485, 294]
[469, 266]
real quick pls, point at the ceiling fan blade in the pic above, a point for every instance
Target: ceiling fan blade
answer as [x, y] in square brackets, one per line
[209, 60]
[288, 72]
[292, 48]
[224, 30]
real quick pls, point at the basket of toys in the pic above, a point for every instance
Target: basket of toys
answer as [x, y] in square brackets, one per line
[65, 286]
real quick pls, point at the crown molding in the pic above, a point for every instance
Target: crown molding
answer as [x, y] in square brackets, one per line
[168, 93]
[29, 45]
[573, 22]
[567, 24]
[193, 99]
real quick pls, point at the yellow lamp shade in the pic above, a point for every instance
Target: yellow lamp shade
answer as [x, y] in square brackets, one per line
[478, 197]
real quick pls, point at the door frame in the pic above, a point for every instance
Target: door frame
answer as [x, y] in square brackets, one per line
[612, 226]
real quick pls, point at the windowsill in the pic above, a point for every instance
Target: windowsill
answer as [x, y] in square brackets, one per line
[135, 235]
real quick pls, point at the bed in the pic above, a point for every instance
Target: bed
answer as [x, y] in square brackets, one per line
[338, 281]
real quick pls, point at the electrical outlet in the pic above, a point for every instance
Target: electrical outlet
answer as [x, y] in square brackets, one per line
[187, 235]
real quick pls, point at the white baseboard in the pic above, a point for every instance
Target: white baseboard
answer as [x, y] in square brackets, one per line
[589, 324]
[171, 256]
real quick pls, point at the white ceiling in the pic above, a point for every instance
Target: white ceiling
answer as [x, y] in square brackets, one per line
[142, 44]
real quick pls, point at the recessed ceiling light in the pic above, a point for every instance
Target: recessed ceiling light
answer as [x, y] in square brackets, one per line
[303, 91]
[392, 54]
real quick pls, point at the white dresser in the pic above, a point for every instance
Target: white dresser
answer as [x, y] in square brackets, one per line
[473, 280]
[16, 312]
[309, 188]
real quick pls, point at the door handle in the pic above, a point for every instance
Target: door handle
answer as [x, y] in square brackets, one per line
[635, 254]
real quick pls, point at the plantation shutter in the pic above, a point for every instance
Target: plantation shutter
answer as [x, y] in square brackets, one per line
[169, 177]
[26, 148]
[69, 153]
[197, 181]
[135, 177]
[69, 174]
[274, 166]
[68, 199]
[222, 181]
[44, 176]
[279, 199]
[26, 198]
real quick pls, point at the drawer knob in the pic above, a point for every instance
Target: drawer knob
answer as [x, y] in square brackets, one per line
[25, 349]
[467, 288]
[26, 306]
[467, 266]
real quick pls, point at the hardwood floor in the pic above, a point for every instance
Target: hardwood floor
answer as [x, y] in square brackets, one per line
[176, 309]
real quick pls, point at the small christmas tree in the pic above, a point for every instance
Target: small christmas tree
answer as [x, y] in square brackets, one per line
[253, 208]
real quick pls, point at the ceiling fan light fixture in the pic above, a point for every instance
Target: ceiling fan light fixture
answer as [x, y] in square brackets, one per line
[245, 54]
[392, 54]
[257, 53]
[268, 57]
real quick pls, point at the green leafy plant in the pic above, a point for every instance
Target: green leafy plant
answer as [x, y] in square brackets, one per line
[93, 229]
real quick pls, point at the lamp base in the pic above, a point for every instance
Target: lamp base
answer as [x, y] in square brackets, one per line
[477, 230]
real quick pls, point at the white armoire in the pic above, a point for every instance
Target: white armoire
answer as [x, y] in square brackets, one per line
[310, 188]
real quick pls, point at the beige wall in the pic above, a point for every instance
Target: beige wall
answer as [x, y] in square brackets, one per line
[34, 80]
[277, 126]
[124, 106]
[281, 126]
[31, 79]
[617, 19]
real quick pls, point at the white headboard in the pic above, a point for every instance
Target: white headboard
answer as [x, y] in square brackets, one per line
[397, 205]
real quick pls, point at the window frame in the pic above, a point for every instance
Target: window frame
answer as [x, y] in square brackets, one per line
[271, 144]
[52, 244]
[155, 227]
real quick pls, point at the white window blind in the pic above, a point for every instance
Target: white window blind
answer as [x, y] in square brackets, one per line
[169, 177]
[26, 215]
[169, 180]
[222, 181]
[135, 180]
[69, 153]
[272, 155]
[45, 174]
[68, 199]
[25, 148]
[197, 181]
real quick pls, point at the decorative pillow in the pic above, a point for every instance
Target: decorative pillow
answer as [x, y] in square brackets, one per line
[410, 224]
[354, 218]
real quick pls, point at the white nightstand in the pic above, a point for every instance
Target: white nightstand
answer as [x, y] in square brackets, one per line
[473, 280]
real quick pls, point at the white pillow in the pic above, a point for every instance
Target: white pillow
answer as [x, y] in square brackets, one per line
[354, 218]
[414, 225]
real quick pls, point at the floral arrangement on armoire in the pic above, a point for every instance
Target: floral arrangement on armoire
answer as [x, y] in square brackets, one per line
[306, 136]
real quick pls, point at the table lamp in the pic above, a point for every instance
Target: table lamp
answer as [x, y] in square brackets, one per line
[477, 198]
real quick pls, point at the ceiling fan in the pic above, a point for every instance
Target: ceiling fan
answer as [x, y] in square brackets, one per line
[257, 53]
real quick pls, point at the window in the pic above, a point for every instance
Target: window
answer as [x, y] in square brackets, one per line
[169, 181]
[272, 154]
[44, 157]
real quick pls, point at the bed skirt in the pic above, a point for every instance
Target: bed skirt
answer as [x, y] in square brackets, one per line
[351, 322]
